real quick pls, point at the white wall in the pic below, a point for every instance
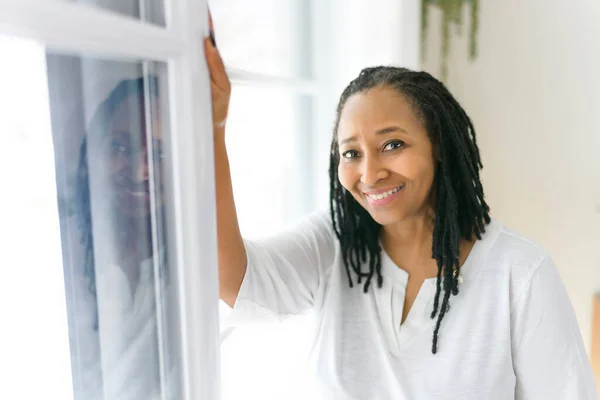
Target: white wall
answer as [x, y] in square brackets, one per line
[534, 97]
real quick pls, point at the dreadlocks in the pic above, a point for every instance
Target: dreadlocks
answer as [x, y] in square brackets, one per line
[460, 209]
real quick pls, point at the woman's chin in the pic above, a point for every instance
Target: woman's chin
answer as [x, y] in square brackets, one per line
[386, 217]
[134, 207]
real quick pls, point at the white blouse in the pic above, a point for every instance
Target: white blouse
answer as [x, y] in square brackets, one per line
[121, 358]
[510, 333]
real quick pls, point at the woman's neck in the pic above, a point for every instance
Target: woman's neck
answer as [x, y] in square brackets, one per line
[409, 242]
[137, 239]
[123, 240]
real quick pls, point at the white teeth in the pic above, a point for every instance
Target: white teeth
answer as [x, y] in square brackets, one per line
[383, 195]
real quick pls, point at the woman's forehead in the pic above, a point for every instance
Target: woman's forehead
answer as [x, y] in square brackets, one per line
[130, 116]
[374, 108]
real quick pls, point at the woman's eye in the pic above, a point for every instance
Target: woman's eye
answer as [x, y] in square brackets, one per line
[350, 154]
[118, 148]
[159, 155]
[393, 145]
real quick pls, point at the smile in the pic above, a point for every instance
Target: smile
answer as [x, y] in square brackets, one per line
[384, 198]
[137, 193]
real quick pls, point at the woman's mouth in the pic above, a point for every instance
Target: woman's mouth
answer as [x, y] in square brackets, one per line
[137, 193]
[382, 199]
[140, 194]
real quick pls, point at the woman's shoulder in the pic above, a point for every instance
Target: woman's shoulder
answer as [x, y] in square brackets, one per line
[315, 224]
[514, 245]
[319, 220]
[512, 254]
[311, 233]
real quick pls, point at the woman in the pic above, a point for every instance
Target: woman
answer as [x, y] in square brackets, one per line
[115, 334]
[410, 227]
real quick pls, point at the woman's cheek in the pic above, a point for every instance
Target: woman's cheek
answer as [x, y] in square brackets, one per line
[410, 166]
[343, 176]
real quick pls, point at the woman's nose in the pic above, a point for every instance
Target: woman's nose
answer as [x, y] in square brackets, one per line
[140, 167]
[372, 171]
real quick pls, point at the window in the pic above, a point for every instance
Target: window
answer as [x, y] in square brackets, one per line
[263, 36]
[32, 289]
[152, 11]
[266, 46]
[266, 145]
[112, 287]
[110, 133]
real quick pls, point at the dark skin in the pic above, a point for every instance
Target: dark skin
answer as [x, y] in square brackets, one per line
[384, 148]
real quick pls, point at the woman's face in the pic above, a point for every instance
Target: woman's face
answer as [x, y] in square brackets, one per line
[386, 156]
[124, 158]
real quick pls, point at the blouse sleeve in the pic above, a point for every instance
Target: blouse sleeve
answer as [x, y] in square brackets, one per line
[549, 357]
[284, 273]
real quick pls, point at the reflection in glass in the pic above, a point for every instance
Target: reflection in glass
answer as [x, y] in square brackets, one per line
[120, 295]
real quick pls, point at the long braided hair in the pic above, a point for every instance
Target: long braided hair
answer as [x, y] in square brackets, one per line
[460, 208]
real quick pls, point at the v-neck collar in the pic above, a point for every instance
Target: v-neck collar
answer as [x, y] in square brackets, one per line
[417, 319]
[479, 250]
[419, 316]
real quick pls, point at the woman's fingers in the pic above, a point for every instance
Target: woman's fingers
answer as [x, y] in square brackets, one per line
[220, 85]
[210, 21]
[216, 66]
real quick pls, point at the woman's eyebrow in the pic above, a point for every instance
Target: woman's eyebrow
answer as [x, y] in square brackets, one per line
[390, 129]
[381, 131]
[123, 135]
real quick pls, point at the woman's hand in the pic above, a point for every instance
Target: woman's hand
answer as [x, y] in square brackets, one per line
[220, 86]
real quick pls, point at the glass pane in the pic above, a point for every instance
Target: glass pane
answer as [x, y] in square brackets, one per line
[270, 119]
[86, 147]
[269, 37]
[152, 11]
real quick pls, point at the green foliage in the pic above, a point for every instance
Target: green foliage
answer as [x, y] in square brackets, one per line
[451, 14]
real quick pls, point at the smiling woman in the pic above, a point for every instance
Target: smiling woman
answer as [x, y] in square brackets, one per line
[115, 161]
[408, 221]
[411, 161]
[118, 141]
[380, 164]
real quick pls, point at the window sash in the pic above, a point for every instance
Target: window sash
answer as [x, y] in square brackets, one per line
[77, 28]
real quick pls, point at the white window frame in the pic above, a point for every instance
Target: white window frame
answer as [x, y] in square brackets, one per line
[83, 29]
